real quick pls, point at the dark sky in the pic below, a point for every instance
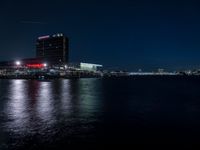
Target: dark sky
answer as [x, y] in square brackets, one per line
[120, 34]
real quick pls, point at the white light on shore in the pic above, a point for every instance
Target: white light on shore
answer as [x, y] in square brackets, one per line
[45, 65]
[18, 63]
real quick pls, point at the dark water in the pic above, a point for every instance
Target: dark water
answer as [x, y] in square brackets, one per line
[35, 114]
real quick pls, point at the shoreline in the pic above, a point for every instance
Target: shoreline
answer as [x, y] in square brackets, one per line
[48, 77]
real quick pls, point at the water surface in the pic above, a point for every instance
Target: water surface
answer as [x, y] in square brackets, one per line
[36, 114]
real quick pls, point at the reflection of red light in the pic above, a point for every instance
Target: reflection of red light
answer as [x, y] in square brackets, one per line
[35, 65]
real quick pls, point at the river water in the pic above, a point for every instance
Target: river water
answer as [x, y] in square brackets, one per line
[139, 110]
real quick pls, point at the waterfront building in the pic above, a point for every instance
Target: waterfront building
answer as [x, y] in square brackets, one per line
[54, 49]
[26, 62]
[90, 67]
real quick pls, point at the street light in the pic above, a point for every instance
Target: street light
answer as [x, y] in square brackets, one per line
[18, 63]
[45, 65]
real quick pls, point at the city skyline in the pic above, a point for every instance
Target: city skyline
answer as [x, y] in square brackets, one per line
[77, 74]
[124, 35]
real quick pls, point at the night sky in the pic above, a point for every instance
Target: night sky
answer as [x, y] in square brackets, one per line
[120, 34]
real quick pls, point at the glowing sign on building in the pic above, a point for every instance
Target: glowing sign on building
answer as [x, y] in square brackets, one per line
[43, 37]
[35, 66]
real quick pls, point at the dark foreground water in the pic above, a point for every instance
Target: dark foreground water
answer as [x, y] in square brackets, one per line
[140, 110]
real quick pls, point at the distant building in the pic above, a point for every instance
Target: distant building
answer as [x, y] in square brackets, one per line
[90, 67]
[54, 49]
[160, 70]
[50, 50]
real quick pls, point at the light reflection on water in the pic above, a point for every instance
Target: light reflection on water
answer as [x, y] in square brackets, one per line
[17, 109]
[66, 97]
[144, 110]
[47, 108]
[90, 99]
[44, 106]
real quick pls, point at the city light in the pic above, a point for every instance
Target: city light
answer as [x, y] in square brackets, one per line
[18, 63]
[35, 65]
[45, 65]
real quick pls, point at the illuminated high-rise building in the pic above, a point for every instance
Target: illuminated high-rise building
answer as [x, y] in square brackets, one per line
[54, 49]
